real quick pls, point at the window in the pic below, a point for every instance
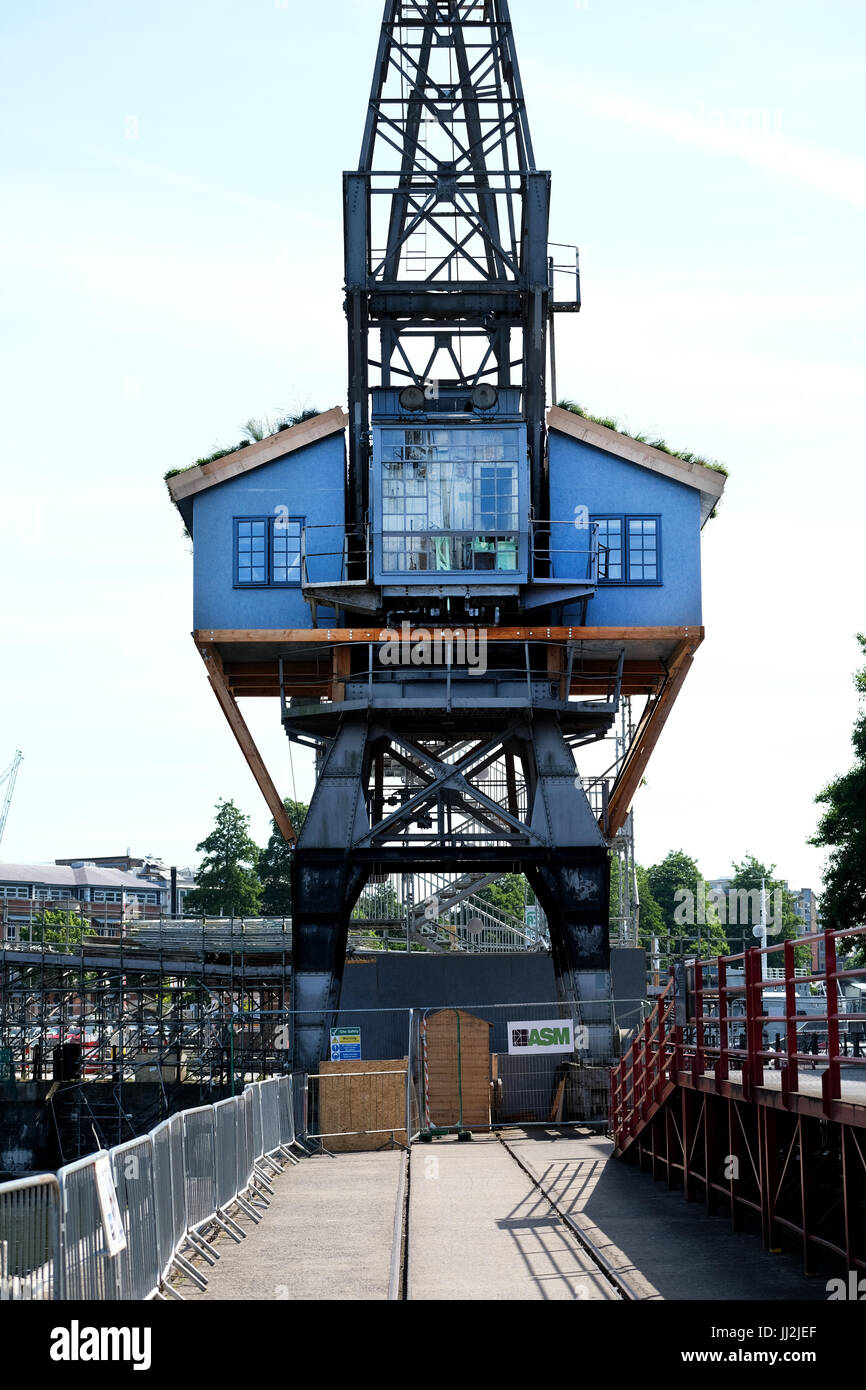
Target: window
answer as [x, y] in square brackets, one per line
[268, 551]
[633, 546]
[643, 550]
[107, 895]
[450, 499]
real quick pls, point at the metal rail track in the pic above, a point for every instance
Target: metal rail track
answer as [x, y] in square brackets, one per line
[621, 1286]
[398, 1289]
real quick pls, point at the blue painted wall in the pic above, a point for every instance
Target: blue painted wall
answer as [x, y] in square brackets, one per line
[582, 475]
[310, 483]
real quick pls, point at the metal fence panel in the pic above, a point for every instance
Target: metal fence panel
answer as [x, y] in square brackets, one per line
[199, 1166]
[163, 1197]
[246, 1139]
[258, 1137]
[29, 1239]
[89, 1273]
[269, 1099]
[138, 1265]
[285, 1093]
[179, 1221]
[226, 1117]
[515, 1064]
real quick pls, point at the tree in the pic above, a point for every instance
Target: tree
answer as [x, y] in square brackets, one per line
[56, 929]
[748, 877]
[275, 863]
[651, 920]
[692, 918]
[228, 882]
[842, 830]
[509, 894]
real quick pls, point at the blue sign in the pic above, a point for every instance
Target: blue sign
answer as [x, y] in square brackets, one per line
[346, 1045]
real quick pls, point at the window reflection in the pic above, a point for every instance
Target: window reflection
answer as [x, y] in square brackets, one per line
[450, 500]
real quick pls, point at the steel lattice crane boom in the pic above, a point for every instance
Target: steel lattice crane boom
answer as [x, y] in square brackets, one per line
[448, 276]
[9, 777]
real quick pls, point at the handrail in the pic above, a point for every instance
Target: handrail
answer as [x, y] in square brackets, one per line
[711, 1039]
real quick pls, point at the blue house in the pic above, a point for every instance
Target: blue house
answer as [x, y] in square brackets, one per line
[290, 603]
[450, 513]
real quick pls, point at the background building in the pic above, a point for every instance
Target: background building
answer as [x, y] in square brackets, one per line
[104, 890]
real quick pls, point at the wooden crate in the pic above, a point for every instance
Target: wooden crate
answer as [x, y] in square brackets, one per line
[356, 1100]
[454, 1069]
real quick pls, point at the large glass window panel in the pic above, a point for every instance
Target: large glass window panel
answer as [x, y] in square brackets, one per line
[438, 482]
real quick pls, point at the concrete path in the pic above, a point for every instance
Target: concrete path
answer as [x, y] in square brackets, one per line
[666, 1247]
[328, 1234]
[478, 1229]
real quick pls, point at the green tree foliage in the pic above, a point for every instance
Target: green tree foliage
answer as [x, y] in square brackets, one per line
[651, 920]
[748, 877]
[56, 929]
[275, 863]
[228, 881]
[668, 881]
[842, 830]
[509, 894]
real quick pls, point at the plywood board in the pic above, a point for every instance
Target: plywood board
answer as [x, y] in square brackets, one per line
[458, 1068]
[359, 1107]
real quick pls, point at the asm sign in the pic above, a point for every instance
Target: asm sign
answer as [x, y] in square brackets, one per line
[547, 1035]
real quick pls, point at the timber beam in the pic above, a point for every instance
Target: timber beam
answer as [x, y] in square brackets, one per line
[246, 743]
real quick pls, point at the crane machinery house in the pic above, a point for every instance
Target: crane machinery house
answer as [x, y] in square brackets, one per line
[451, 531]
[450, 497]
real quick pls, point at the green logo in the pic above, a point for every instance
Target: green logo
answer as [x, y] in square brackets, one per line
[549, 1037]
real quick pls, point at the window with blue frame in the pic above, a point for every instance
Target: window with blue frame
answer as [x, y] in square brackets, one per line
[630, 549]
[268, 551]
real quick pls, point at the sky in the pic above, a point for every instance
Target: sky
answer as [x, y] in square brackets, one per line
[171, 254]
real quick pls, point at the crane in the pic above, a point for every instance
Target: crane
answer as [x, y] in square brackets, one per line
[449, 298]
[9, 778]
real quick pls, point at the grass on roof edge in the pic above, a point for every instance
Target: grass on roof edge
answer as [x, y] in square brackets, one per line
[285, 424]
[611, 423]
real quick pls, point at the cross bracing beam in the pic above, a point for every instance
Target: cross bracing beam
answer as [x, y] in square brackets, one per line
[446, 218]
[442, 817]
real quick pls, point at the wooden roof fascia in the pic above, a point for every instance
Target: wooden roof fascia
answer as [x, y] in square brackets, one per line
[707, 481]
[276, 446]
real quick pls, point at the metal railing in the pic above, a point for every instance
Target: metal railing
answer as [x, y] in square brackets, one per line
[29, 1239]
[116, 1226]
[719, 1022]
[557, 551]
[555, 558]
[347, 560]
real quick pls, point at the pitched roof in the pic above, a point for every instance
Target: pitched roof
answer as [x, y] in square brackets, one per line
[67, 876]
[707, 481]
[184, 486]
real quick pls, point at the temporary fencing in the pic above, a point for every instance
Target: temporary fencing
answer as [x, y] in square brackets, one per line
[29, 1239]
[116, 1225]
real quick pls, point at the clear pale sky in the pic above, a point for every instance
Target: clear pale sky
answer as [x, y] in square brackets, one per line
[172, 264]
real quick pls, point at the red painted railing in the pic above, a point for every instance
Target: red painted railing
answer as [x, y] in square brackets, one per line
[722, 1025]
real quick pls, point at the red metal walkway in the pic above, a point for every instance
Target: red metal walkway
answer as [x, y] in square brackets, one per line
[704, 1102]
